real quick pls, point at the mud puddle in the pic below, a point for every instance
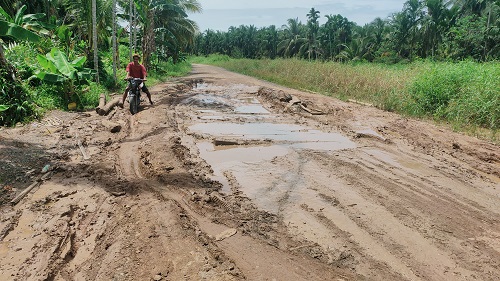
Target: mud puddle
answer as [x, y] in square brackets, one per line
[240, 136]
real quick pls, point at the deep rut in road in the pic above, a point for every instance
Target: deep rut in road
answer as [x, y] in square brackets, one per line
[227, 177]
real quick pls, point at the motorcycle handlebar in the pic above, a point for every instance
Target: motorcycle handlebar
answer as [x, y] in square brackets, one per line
[130, 78]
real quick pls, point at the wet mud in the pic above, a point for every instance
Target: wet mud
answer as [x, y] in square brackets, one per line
[227, 177]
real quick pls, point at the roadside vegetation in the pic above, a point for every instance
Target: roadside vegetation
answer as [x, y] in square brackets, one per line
[466, 95]
[43, 84]
[65, 54]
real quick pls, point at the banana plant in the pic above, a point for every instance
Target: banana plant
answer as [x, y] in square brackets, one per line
[56, 69]
[23, 27]
[13, 29]
[17, 32]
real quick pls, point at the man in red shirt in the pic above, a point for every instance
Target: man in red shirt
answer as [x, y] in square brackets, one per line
[136, 70]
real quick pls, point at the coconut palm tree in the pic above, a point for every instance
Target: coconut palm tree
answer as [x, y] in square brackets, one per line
[293, 39]
[336, 34]
[471, 7]
[434, 25]
[94, 39]
[79, 17]
[168, 18]
[177, 28]
[312, 28]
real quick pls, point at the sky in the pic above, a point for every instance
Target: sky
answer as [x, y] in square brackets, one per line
[221, 14]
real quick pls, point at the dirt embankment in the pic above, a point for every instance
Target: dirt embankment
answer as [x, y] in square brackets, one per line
[227, 177]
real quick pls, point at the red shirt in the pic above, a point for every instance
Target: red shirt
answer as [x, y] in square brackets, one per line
[136, 71]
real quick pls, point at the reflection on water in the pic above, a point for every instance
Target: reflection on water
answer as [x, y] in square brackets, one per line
[294, 135]
[243, 123]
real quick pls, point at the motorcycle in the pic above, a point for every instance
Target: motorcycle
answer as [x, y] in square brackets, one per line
[134, 93]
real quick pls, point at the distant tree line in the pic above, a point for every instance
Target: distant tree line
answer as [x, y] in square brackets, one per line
[438, 29]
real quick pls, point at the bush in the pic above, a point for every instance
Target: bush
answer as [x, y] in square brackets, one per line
[17, 103]
[88, 96]
[465, 93]
[45, 96]
[23, 58]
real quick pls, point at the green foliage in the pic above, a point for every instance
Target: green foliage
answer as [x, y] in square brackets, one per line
[433, 90]
[23, 58]
[124, 58]
[16, 32]
[465, 94]
[16, 105]
[57, 69]
[64, 34]
[434, 29]
[173, 70]
[22, 27]
[47, 97]
[468, 38]
[89, 96]
[53, 72]
[209, 59]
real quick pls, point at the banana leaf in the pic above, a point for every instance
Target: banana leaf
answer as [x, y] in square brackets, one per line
[17, 32]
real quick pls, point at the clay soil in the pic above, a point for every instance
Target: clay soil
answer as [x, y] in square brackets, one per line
[316, 189]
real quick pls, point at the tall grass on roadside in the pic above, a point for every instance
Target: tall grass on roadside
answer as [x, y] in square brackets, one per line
[169, 69]
[374, 83]
[211, 59]
[466, 94]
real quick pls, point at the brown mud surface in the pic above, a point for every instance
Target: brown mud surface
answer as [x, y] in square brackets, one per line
[227, 177]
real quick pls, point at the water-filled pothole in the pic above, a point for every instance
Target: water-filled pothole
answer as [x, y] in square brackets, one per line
[280, 139]
[245, 135]
[291, 134]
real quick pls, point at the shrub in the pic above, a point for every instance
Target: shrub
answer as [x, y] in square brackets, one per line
[465, 93]
[16, 104]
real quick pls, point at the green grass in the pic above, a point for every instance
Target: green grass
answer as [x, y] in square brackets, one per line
[464, 95]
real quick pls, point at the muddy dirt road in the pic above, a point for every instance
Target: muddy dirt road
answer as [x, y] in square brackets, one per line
[227, 177]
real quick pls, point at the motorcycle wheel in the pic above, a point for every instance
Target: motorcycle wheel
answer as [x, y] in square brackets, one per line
[134, 104]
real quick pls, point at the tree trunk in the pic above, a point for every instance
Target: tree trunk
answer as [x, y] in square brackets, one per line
[486, 38]
[94, 39]
[3, 61]
[148, 42]
[102, 103]
[105, 109]
[115, 51]
[131, 25]
[135, 29]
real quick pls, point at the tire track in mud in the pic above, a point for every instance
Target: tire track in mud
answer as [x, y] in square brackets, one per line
[258, 249]
[255, 259]
[129, 166]
[428, 221]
